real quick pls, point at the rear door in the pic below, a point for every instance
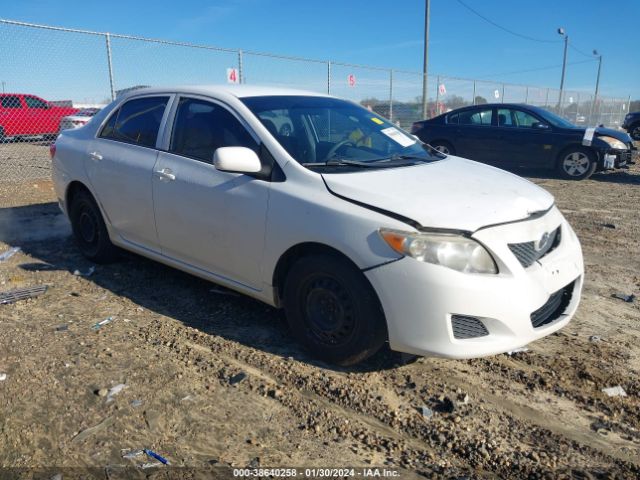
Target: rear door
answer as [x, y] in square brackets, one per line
[474, 134]
[120, 164]
[210, 220]
[524, 139]
[41, 116]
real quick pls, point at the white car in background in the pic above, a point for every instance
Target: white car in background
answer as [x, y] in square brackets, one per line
[78, 119]
[360, 232]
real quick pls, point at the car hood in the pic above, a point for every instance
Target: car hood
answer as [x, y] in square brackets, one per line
[602, 131]
[610, 132]
[453, 193]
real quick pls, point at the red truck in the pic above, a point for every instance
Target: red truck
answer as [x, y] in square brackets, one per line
[23, 115]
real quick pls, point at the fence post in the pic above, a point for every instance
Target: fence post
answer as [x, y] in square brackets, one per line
[240, 74]
[328, 77]
[473, 100]
[110, 65]
[391, 94]
[577, 106]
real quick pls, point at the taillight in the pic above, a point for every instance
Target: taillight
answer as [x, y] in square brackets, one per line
[52, 150]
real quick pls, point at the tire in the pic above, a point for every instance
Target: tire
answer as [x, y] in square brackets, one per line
[89, 229]
[332, 310]
[576, 163]
[443, 147]
[2, 137]
[634, 131]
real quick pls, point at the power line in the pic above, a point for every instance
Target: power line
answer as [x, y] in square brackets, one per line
[579, 51]
[537, 69]
[504, 28]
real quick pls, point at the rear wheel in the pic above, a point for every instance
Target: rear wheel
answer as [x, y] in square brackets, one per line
[332, 310]
[2, 137]
[90, 230]
[443, 147]
[635, 132]
[576, 163]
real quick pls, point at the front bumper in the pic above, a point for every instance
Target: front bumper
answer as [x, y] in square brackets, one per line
[419, 299]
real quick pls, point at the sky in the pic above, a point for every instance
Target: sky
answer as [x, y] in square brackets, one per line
[388, 34]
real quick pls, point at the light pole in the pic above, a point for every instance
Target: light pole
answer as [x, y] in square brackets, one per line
[425, 60]
[564, 63]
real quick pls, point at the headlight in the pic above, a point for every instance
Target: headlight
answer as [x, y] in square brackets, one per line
[614, 143]
[452, 251]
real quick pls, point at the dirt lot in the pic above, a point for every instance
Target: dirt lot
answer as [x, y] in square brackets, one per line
[179, 347]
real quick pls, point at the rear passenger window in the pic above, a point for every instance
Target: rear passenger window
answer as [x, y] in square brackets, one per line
[202, 127]
[137, 121]
[476, 117]
[10, 101]
[453, 118]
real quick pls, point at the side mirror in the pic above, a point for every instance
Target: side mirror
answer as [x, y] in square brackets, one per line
[236, 160]
[540, 126]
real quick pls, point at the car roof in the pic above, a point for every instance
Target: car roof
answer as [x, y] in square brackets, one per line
[239, 91]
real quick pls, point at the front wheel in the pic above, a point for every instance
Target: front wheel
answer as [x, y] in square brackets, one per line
[635, 132]
[332, 310]
[576, 163]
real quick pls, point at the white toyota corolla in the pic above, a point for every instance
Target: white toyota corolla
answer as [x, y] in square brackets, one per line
[316, 205]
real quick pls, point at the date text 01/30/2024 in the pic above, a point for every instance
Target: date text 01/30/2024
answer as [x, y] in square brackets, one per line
[368, 472]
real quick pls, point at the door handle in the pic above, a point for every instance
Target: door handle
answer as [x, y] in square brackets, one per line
[95, 156]
[166, 174]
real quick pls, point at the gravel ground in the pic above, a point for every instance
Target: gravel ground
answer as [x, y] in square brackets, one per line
[24, 160]
[214, 380]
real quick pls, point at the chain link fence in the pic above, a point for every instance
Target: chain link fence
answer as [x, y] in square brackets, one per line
[54, 78]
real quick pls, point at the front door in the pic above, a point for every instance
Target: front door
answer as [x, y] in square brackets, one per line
[210, 220]
[120, 167]
[525, 140]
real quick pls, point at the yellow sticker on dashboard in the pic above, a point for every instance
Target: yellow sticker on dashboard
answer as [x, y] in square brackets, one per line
[377, 120]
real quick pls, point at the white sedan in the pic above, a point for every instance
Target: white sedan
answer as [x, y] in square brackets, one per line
[78, 119]
[363, 234]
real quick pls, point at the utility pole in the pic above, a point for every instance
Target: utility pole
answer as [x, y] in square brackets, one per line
[595, 96]
[564, 63]
[3, 86]
[425, 83]
[594, 104]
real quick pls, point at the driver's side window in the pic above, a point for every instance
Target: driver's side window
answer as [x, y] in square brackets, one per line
[524, 119]
[202, 127]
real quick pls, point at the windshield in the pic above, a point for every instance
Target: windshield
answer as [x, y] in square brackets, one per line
[320, 130]
[554, 119]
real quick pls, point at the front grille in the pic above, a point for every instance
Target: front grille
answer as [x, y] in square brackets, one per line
[553, 308]
[528, 253]
[467, 327]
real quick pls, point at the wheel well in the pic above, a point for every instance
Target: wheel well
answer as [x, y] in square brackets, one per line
[577, 146]
[296, 252]
[72, 190]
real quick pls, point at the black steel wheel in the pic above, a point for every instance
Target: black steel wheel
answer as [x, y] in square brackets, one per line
[332, 310]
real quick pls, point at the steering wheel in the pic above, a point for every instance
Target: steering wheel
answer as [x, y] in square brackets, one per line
[338, 146]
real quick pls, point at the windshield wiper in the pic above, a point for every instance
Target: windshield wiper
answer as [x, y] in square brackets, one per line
[344, 162]
[403, 157]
